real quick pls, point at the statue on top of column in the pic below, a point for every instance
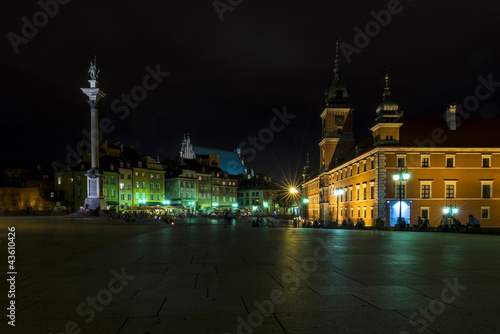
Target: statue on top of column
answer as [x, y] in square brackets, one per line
[93, 70]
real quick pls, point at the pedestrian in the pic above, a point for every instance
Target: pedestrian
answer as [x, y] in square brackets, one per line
[473, 223]
[444, 224]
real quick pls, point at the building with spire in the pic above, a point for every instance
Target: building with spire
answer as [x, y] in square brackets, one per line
[448, 162]
[187, 151]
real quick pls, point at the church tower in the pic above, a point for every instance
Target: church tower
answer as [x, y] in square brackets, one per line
[386, 131]
[187, 151]
[336, 119]
[307, 171]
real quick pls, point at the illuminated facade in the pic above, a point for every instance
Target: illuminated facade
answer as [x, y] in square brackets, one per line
[450, 160]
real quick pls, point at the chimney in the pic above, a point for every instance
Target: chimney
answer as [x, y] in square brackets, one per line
[451, 117]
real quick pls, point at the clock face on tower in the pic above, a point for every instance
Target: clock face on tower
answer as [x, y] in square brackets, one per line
[339, 120]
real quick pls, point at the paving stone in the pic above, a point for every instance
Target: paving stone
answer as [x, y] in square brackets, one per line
[203, 278]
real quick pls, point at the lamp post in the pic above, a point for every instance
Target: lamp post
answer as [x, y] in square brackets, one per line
[338, 192]
[304, 210]
[400, 175]
[293, 192]
[450, 210]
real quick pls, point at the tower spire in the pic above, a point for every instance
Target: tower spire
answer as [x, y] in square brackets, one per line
[387, 92]
[337, 57]
[336, 95]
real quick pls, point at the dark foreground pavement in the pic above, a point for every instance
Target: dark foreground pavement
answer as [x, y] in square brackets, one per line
[94, 276]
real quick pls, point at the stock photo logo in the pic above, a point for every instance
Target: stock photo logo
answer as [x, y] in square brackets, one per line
[30, 28]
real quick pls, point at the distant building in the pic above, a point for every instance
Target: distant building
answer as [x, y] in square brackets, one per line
[258, 195]
[450, 161]
[25, 187]
[128, 179]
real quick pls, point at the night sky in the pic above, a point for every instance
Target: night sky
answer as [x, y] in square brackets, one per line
[227, 77]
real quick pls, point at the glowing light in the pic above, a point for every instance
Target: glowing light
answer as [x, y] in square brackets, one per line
[293, 190]
[395, 177]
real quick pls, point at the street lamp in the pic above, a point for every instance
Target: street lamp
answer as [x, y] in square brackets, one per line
[338, 192]
[304, 210]
[167, 202]
[449, 211]
[401, 175]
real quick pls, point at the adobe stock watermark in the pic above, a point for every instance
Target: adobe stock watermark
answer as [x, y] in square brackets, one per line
[265, 308]
[371, 29]
[121, 106]
[30, 28]
[426, 315]
[104, 297]
[222, 7]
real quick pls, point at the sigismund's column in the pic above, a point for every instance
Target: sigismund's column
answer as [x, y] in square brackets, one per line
[95, 199]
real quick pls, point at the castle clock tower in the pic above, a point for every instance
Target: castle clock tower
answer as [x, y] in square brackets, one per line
[336, 119]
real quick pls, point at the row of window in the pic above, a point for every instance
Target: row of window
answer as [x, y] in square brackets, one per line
[424, 212]
[253, 194]
[138, 185]
[152, 196]
[348, 193]
[450, 189]
[450, 161]
[343, 212]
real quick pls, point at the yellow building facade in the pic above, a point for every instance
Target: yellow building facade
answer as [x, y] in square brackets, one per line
[450, 161]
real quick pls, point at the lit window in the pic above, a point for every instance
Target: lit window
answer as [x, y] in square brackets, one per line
[485, 212]
[425, 189]
[486, 187]
[400, 191]
[424, 212]
[450, 191]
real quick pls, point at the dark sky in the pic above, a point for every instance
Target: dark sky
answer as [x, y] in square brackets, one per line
[226, 77]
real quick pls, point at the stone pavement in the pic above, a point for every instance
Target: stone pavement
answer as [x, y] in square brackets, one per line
[96, 276]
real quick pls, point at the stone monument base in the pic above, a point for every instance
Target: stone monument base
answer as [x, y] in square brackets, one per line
[95, 203]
